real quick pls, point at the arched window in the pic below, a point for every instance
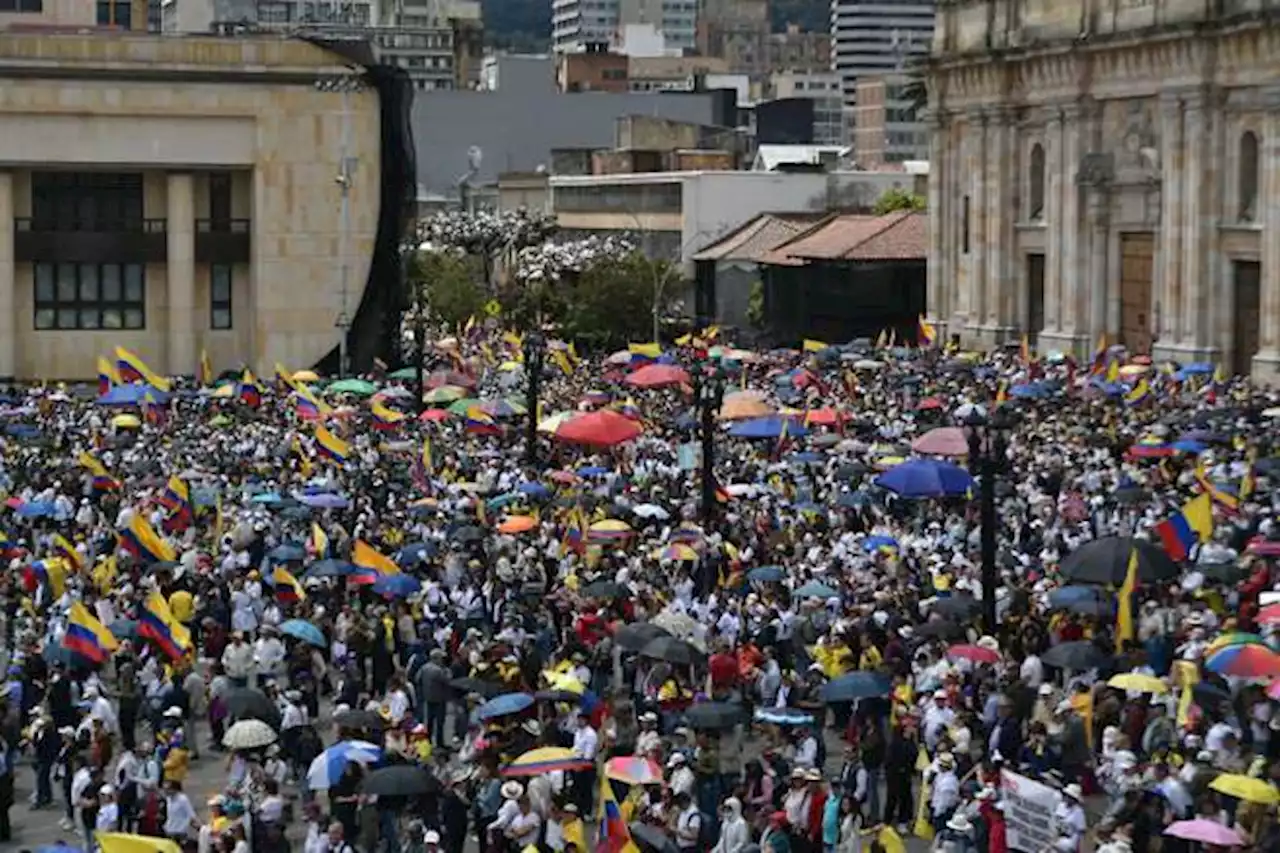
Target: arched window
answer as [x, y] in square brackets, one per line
[1247, 183]
[1036, 195]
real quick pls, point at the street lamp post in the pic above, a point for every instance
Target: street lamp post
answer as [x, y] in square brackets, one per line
[710, 394]
[420, 340]
[346, 85]
[988, 451]
[534, 347]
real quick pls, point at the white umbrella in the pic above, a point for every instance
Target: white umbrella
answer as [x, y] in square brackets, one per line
[249, 734]
[651, 511]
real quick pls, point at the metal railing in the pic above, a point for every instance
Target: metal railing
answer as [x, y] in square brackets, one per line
[222, 226]
[28, 224]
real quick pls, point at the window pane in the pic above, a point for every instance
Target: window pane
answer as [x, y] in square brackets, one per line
[44, 282]
[133, 318]
[112, 319]
[66, 283]
[66, 318]
[88, 318]
[88, 283]
[221, 290]
[221, 318]
[133, 283]
[44, 318]
[111, 283]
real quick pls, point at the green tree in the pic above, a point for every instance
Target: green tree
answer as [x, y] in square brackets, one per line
[755, 305]
[897, 199]
[446, 281]
[607, 304]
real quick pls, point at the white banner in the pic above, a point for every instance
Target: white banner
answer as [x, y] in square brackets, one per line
[1028, 812]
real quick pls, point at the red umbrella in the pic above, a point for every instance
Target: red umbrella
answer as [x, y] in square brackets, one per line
[825, 417]
[658, 375]
[434, 416]
[977, 654]
[943, 441]
[929, 404]
[1264, 547]
[1268, 614]
[604, 428]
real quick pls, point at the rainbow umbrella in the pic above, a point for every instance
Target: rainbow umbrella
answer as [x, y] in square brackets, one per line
[1247, 661]
[1235, 638]
[535, 762]
[677, 552]
[689, 534]
[633, 770]
[609, 530]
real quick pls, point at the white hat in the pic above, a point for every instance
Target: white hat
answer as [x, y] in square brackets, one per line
[1073, 792]
[432, 837]
[106, 791]
[511, 790]
[1046, 689]
[946, 759]
[939, 694]
[648, 717]
[676, 759]
[533, 727]
[959, 823]
[173, 712]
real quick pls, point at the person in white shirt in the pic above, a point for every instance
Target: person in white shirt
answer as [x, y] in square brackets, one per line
[682, 778]
[512, 792]
[944, 794]
[180, 816]
[648, 739]
[585, 744]
[937, 719]
[108, 810]
[525, 826]
[688, 822]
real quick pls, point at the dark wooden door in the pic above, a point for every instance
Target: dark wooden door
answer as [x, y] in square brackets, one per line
[1244, 322]
[1137, 253]
[1035, 298]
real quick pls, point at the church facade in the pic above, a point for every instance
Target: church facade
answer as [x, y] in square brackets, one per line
[1108, 169]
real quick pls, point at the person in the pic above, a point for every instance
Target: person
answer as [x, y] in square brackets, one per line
[180, 816]
[1069, 820]
[688, 822]
[734, 832]
[777, 836]
[433, 693]
[944, 793]
[108, 817]
[525, 827]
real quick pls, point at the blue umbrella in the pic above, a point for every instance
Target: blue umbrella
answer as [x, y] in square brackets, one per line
[325, 500]
[204, 497]
[288, 553]
[1067, 596]
[686, 420]
[58, 847]
[926, 478]
[330, 569]
[502, 501]
[853, 500]
[805, 457]
[504, 705]
[877, 541]
[36, 509]
[397, 586]
[816, 589]
[783, 717]
[1198, 368]
[536, 490]
[766, 574]
[22, 430]
[592, 471]
[302, 630]
[131, 395]
[856, 685]
[1029, 391]
[415, 551]
[1185, 445]
[770, 427]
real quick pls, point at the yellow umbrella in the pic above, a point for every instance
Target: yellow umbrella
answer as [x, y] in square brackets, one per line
[123, 842]
[610, 525]
[676, 552]
[1134, 369]
[535, 762]
[1138, 683]
[565, 681]
[1246, 788]
[126, 422]
[223, 392]
[886, 462]
[306, 376]
[551, 423]
[509, 366]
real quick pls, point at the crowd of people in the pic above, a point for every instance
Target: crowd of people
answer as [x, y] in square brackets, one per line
[398, 627]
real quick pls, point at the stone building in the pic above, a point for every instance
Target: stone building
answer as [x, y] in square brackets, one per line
[1108, 167]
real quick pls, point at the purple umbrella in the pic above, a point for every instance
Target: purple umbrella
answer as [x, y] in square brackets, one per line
[325, 500]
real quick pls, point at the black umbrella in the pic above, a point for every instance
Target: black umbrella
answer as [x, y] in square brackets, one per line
[359, 720]
[1129, 494]
[713, 716]
[604, 589]
[650, 839]
[1106, 561]
[959, 606]
[248, 703]
[470, 533]
[672, 650]
[482, 688]
[330, 568]
[558, 696]
[636, 636]
[940, 628]
[1077, 656]
[400, 780]
[1209, 694]
[1229, 572]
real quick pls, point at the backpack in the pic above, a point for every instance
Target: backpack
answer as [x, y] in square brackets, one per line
[708, 831]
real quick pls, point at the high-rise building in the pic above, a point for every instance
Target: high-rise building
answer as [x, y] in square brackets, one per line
[577, 23]
[876, 38]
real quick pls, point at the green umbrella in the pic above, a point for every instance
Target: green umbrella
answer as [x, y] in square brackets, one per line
[460, 407]
[353, 386]
[445, 394]
[219, 421]
[404, 373]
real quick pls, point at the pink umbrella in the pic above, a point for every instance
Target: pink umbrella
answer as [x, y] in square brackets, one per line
[943, 441]
[1206, 832]
[657, 376]
[1273, 692]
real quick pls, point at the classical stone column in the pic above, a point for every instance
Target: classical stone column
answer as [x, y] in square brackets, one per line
[1099, 291]
[999, 213]
[939, 280]
[1198, 218]
[1266, 364]
[8, 322]
[1053, 222]
[1168, 271]
[1074, 270]
[180, 226]
[978, 181]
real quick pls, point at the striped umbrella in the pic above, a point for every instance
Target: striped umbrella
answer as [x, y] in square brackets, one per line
[328, 766]
[633, 770]
[535, 762]
[1248, 661]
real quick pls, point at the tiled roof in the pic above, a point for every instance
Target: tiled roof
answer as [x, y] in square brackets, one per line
[900, 236]
[758, 237]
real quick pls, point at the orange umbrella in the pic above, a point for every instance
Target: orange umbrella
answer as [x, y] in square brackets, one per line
[517, 524]
[825, 417]
[744, 406]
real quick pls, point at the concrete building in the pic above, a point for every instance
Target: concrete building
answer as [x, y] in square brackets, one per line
[120, 14]
[874, 38]
[799, 50]
[515, 126]
[821, 87]
[577, 23]
[592, 70]
[1115, 172]
[173, 195]
[736, 31]
[886, 127]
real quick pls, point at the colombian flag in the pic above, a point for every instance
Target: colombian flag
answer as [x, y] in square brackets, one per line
[288, 590]
[87, 636]
[926, 332]
[157, 623]
[1190, 526]
[640, 352]
[285, 377]
[423, 466]
[319, 542]
[131, 368]
[480, 422]
[141, 540]
[66, 551]
[310, 407]
[108, 378]
[330, 446]
[248, 391]
[102, 481]
[204, 371]
[177, 499]
[575, 532]
[384, 418]
[1139, 393]
[613, 835]
[1124, 609]
[53, 574]
[371, 563]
